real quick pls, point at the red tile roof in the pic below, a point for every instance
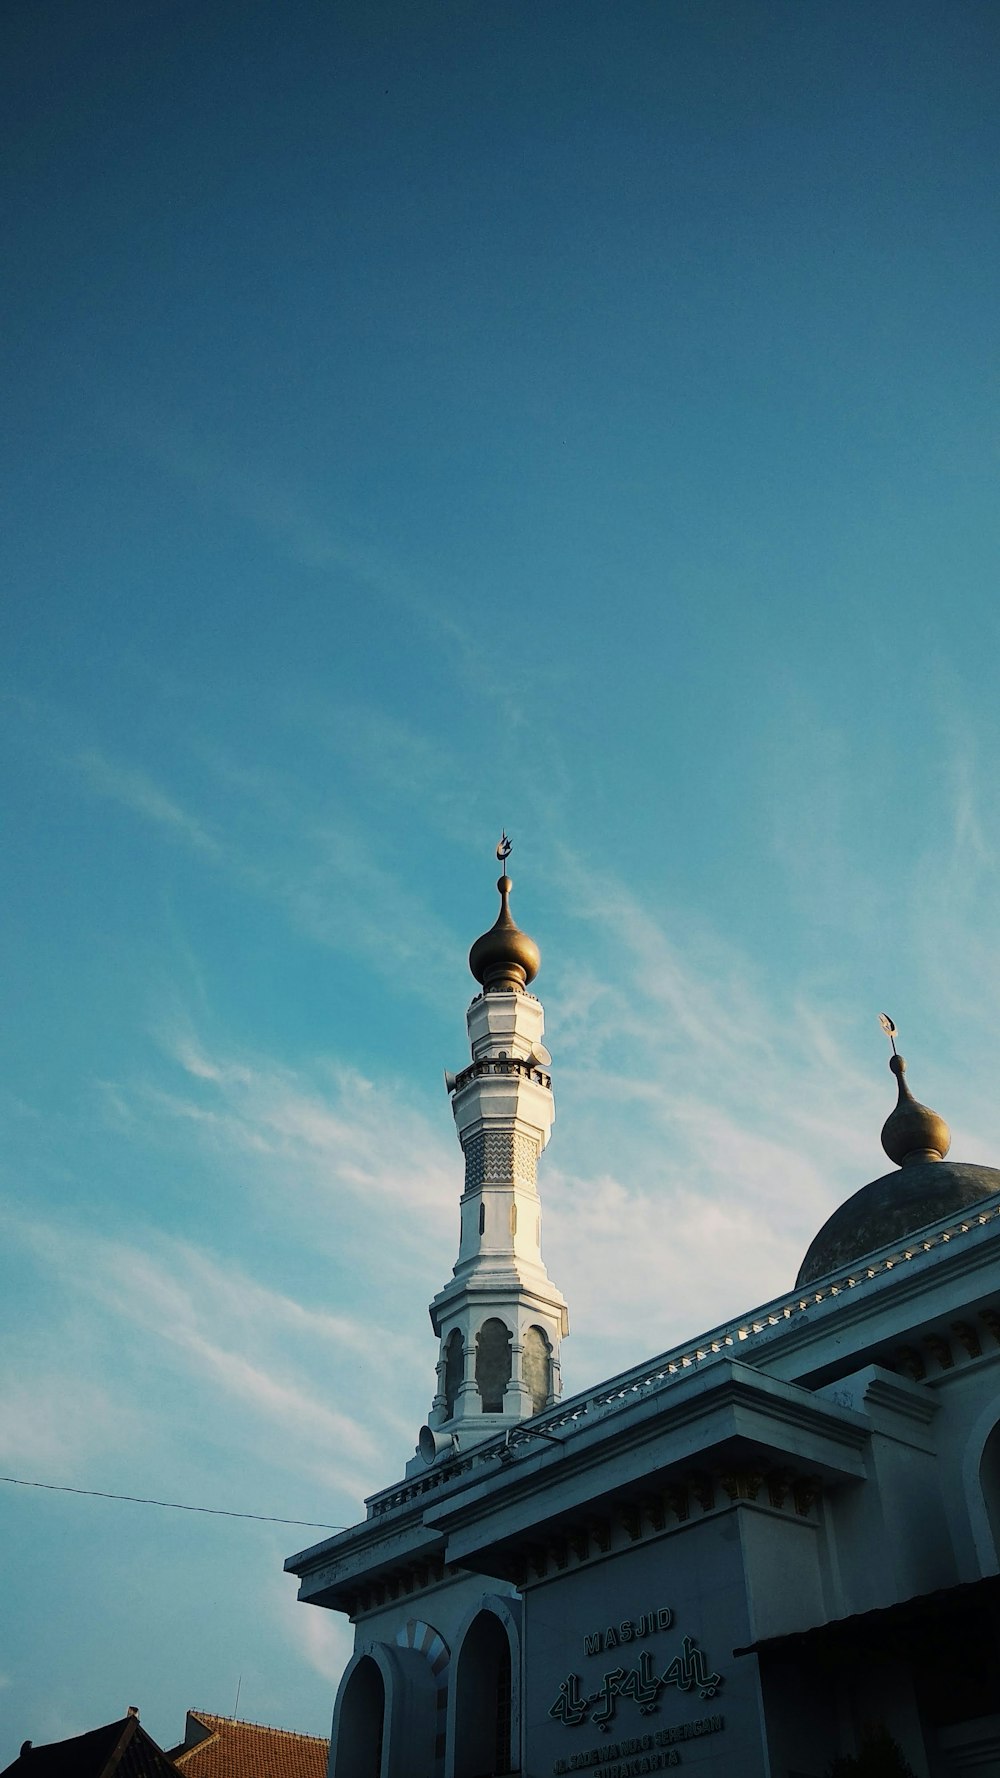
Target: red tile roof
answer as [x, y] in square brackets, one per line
[229, 1749]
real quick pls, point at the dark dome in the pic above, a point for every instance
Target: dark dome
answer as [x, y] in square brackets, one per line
[891, 1208]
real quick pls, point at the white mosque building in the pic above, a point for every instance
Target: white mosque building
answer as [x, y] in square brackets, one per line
[751, 1557]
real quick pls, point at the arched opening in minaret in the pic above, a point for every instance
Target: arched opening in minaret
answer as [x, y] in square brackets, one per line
[537, 1368]
[454, 1369]
[484, 1734]
[358, 1747]
[493, 1363]
[989, 1481]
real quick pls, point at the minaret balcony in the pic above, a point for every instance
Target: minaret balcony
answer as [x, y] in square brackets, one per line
[524, 1067]
[505, 1093]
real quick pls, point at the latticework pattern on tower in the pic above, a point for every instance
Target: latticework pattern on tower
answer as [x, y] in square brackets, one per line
[500, 1157]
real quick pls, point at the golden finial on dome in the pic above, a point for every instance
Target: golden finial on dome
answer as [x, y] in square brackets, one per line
[912, 1132]
[504, 959]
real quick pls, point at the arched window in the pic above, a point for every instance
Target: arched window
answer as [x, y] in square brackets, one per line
[454, 1369]
[358, 1747]
[537, 1368]
[483, 1715]
[493, 1364]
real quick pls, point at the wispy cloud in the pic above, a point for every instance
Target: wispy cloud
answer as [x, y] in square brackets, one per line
[324, 1639]
[335, 1129]
[309, 533]
[134, 790]
[259, 1357]
[702, 1140]
[319, 869]
[708, 1123]
[953, 909]
[45, 1432]
[706, 1130]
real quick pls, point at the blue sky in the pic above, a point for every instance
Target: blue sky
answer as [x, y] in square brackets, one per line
[422, 419]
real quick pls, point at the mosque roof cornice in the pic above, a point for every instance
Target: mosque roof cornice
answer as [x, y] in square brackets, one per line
[365, 1547]
[939, 1259]
[731, 1413]
[808, 1335]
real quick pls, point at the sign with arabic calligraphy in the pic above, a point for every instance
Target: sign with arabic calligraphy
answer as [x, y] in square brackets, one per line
[688, 1671]
[627, 1666]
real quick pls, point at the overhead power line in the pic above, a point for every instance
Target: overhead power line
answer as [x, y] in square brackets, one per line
[179, 1506]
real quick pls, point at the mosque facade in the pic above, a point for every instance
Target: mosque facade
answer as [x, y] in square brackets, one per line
[774, 1548]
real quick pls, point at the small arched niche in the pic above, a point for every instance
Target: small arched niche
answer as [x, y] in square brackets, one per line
[484, 1728]
[454, 1369]
[360, 1729]
[493, 1363]
[536, 1367]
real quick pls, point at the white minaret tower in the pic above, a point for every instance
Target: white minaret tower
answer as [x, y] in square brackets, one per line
[500, 1319]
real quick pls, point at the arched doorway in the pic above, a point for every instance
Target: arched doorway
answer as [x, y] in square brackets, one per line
[485, 1741]
[989, 1481]
[387, 1721]
[361, 1727]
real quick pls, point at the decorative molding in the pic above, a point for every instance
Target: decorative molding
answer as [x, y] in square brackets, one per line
[653, 1507]
[515, 1568]
[579, 1542]
[908, 1360]
[703, 1489]
[966, 1333]
[676, 1497]
[526, 1561]
[538, 1558]
[939, 1348]
[559, 1551]
[742, 1484]
[631, 1516]
[901, 1396]
[806, 1493]
[779, 1482]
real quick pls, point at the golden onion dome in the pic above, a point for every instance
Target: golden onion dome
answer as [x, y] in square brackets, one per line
[504, 959]
[897, 1206]
[912, 1132]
